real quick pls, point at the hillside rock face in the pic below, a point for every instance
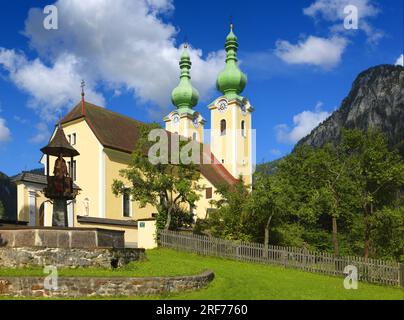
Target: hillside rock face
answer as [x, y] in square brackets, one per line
[375, 100]
[8, 196]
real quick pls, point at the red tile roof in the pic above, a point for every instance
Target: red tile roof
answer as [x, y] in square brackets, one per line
[119, 132]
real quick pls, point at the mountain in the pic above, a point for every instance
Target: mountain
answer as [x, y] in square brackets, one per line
[8, 196]
[375, 100]
[268, 167]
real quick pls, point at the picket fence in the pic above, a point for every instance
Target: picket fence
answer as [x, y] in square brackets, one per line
[373, 270]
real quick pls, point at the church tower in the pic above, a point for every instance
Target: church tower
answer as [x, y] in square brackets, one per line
[231, 134]
[185, 120]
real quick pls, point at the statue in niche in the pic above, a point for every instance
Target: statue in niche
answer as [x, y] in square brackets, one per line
[60, 172]
[86, 205]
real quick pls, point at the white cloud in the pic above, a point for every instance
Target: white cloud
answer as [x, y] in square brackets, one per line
[50, 88]
[20, 120]
[333, 11]
[118, 44]
[5, 134]
[42, 134]
[400, 61]
[322, 52]
[304, 123]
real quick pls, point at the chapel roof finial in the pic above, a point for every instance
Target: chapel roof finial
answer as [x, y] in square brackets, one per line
[231, 81]
[186, 41]
[82, 85]
[185, 96]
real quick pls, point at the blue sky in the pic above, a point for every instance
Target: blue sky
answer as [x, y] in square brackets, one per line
[299, 58]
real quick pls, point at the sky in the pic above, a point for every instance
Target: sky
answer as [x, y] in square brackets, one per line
[301, 58]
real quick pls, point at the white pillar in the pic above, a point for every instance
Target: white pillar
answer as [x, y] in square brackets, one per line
[70, 208]
[32, 207]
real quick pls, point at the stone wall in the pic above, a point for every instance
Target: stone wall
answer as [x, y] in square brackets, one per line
[102, 287]
[61, 237]
[69, 258]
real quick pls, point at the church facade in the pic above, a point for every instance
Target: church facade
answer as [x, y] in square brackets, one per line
[106, 139]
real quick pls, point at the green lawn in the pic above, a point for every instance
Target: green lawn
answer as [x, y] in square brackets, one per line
[235, 280]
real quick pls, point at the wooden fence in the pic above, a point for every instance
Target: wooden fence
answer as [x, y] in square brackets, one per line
[372, 270]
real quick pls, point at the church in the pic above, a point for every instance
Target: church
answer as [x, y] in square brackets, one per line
[105, 140]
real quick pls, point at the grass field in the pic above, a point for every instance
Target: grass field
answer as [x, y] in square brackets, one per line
[234, 280]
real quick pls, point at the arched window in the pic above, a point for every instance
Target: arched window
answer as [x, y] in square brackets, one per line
[223, 127]
[194, 136]
[243, 133]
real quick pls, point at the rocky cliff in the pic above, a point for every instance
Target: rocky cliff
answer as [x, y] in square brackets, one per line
[375, 100]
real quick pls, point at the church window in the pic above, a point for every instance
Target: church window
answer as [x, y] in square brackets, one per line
[126, 203]
[71, 168]
[223, 127]
[209, 193]
[72, 138]
[243, 132]
[194, 136]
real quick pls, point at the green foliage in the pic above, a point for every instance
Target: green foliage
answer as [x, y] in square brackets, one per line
[230, 220]
[233, 280]
[387, 233]
[343, 199]
[171, 188]
[2, 211]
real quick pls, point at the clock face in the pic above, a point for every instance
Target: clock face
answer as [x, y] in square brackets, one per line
[195, 121]
[222, 106]
[176, 119]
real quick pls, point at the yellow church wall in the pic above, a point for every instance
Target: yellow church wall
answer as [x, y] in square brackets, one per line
[232, 147]
[131, 233]
[116, 161]
[24, 203]
[203, 204]
[147, 234]
[244, 147]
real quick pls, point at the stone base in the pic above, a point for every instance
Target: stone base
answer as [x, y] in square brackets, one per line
[102, 287]
[53, 237]
[59, 216]
[69, 258]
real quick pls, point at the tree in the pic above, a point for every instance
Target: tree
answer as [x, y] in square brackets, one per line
[387, 233]
[3, 214]
[230, 220]
[319, 192]
[377, 172]
[267, 203]
[171, 188]
[247, 212]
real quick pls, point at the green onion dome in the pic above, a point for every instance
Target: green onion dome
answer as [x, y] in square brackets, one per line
[185, 96]
[231, 81]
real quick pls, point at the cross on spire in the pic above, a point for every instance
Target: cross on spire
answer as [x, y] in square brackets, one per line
[186, 41]
[82, 85]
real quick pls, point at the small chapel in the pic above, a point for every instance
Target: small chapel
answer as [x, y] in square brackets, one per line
[105, 140]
